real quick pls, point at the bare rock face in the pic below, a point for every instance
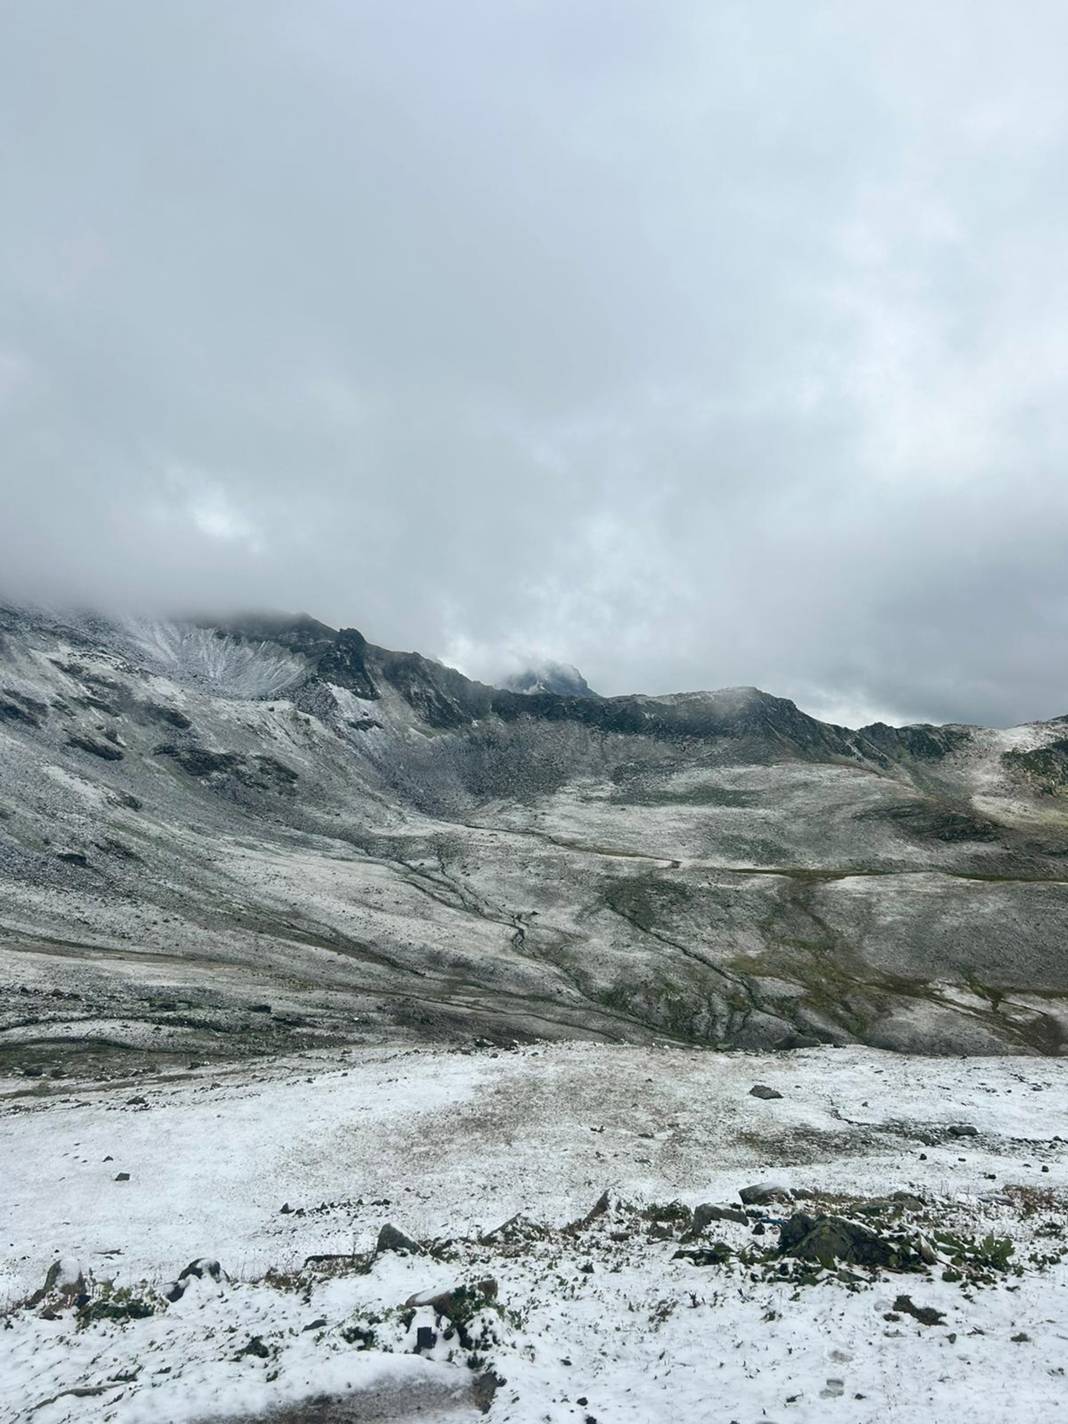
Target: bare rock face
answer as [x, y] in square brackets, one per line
[96, 748]
[345, 663]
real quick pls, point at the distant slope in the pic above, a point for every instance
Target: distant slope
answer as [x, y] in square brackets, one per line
[199, 821]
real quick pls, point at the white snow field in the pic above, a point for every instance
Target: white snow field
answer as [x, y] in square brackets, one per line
[260, 1167]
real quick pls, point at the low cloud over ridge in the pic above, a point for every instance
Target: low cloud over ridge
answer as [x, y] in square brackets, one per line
[722, 345]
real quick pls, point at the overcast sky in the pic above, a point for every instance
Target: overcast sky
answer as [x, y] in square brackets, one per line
[692, 343]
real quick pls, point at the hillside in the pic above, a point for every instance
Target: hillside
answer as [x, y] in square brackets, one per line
[226, 839]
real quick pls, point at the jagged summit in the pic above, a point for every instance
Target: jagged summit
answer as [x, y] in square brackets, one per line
[560, 678]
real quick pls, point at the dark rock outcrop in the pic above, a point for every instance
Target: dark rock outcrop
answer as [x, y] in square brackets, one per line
[826, 1240]
[106, 751]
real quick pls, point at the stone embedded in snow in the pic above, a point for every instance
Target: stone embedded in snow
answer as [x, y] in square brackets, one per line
[122, 1176]
[763, 1192]
[64, 1278]
[706, 1213]
[458, 1303]
[600, 1208]
[963, 1129]
[201, 1267]
[390, 1239]
[826, 1239]
[761, 1090]
[718, 1254]
[253, 1346]
[519, 1227]
[925, 1314]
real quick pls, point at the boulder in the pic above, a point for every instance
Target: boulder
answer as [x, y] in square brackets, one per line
[390, 1239]
[761, 1090]
[517, 1228]
[763, 1192]
[201, 1267]
[827, 1239]
[706, 1213]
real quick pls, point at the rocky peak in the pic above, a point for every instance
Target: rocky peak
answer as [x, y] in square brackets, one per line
[559, 678]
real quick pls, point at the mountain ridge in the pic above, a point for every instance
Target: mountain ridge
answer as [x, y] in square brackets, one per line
[219, 814]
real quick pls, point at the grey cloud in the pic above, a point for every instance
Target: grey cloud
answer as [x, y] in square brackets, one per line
[694, 345]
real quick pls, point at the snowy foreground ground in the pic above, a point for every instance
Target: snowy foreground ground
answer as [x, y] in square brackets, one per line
[261, 1168]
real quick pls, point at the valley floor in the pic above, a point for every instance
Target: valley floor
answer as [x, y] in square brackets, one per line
[262, 1166]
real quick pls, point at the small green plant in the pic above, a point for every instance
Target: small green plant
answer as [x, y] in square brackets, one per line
[994, 1252]
[668, 1211]
[363, 1332]
[978, 1260]
[117, 1303]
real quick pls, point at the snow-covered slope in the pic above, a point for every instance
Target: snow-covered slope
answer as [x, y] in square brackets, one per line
[301, 937]
[558, 1183]
[196, 822]
[227, 665]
